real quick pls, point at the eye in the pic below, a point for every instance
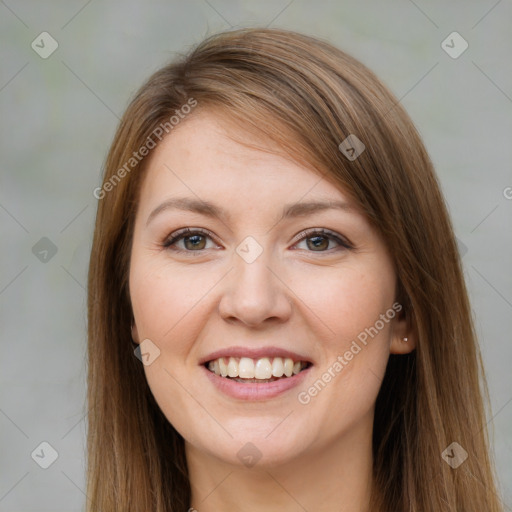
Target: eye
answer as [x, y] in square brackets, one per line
[319, 240]
[194, 240]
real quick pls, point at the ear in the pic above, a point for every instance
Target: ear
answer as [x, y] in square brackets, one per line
[135, 334]
[402, 338]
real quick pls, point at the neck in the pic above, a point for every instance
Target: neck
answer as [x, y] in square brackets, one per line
[336, 476]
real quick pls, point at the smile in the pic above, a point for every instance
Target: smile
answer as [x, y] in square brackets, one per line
[264, 369]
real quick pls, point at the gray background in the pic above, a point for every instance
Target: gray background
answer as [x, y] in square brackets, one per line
[58, 117]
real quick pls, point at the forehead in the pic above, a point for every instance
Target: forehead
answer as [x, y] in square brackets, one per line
[206, 154]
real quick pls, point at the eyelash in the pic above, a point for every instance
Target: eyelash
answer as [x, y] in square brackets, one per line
[303, 235]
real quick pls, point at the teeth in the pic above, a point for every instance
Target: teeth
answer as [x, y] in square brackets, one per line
[223, 367]
[213, 366]
[262, 369]
[277, 367]
[232, 367]
[288, 367]
[246, 368]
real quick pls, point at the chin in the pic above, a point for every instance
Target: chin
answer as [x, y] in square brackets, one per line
[262, 445]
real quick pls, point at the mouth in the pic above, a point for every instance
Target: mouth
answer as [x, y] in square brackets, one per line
[262, 370]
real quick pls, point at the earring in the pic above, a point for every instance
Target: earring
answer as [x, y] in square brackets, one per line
[405, 339]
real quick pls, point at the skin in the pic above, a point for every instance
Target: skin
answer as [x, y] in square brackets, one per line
[315, 456]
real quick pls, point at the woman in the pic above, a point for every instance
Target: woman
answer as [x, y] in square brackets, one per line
[277, 313]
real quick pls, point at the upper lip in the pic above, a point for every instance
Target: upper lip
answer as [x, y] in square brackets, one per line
[254, 353]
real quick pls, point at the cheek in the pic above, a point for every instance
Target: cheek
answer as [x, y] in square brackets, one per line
[168, 303]
[347, 300]
[166, 300]
[351, 303]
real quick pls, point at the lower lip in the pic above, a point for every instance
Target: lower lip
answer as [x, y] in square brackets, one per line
[255, 390]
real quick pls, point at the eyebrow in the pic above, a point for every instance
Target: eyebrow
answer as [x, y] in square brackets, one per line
[211, 210]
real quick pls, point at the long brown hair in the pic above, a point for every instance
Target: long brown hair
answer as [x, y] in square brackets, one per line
[307, 96]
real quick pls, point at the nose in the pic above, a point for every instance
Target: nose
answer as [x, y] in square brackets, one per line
[254, 294]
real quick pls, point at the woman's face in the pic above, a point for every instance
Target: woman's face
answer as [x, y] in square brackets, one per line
[278, 265]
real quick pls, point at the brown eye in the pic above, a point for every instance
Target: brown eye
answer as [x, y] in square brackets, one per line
[188, 240]
[319, 240]
[194, 242]
[317, 243]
